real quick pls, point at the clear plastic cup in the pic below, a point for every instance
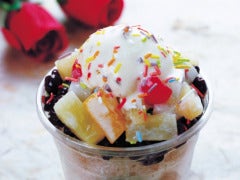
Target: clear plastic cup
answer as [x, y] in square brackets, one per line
[170, 159]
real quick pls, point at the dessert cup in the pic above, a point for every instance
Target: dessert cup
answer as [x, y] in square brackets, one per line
[169, 159]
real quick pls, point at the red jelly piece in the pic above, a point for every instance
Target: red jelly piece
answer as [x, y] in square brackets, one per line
[76, 70]
[156, 91]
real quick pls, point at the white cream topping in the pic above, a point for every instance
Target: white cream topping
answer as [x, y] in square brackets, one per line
[118, 56]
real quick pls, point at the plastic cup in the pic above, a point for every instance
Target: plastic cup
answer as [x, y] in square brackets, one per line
[170, 159]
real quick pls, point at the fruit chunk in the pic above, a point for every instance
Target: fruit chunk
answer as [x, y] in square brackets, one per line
[102, 107]
[64, 65]
[72, 113]
[156, 91]
[190, 105]
[80, 89]
[155, 128]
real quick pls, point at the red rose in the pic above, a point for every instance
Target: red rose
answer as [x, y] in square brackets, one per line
[97, 13]
[34, 31]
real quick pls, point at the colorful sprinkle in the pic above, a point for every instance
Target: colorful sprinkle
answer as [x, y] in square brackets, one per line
[104, 79]
[139, 28]
[50, 98]
[164, 54]
[154, 38]
[158, 63]
[147, 62]
[89, 66]
[148, 55]
[126, 29]
[71, 79]
[100, 32]
[140, 60]
[65, 85]
[121, 104]
[198, 92]
[100, 65]
[144, 39]
[98, 43]
[136, 34]
[83, 86]
[170, 80]
[89, 75]
[91, 58]
[139, 136]
[142, 95]
[111, 61]
[118, 80]
[145, 72]
[157, 71]
[133, 100]
[107, 88]
[115, 49]
[155, 56]
[117, 68]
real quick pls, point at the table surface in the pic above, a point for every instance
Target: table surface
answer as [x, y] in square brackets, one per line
[208, 31]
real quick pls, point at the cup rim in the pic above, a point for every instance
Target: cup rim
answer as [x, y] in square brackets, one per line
[123, 151]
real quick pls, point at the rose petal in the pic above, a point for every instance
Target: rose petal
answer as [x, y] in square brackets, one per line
[98, 14]
[11, 39]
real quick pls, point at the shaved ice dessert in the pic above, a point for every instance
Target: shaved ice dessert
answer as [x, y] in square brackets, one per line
[124, 106]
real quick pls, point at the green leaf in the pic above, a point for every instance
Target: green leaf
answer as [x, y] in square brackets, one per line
[62, 2]
[15, 5]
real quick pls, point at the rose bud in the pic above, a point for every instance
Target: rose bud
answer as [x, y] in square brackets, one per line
[98, 13]
[32, 30]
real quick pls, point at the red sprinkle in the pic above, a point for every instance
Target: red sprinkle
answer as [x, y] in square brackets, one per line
[145, 72]
[157, 71]
[89, 65]
[115, 49]
[118, 80]
[89, 75]
[198, 92]
[188, 122]
[163, 54]
[100, 65]
[185, 72]
[122, 103]
[50, 98]
[43, 99]
[71, 79]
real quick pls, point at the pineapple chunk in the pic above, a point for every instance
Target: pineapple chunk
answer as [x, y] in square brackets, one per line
[155, 128]
[190, 105]
[103, 109]
[65, 64]
[184, 90]
[72, 113]
[135, 116]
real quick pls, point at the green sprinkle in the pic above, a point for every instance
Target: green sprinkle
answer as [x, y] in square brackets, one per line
[158, 63]
[84, 86]
[65, 85]
[144, 39]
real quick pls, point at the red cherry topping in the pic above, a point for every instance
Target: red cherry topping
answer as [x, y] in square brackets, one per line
[76, 70]
[156, 91]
